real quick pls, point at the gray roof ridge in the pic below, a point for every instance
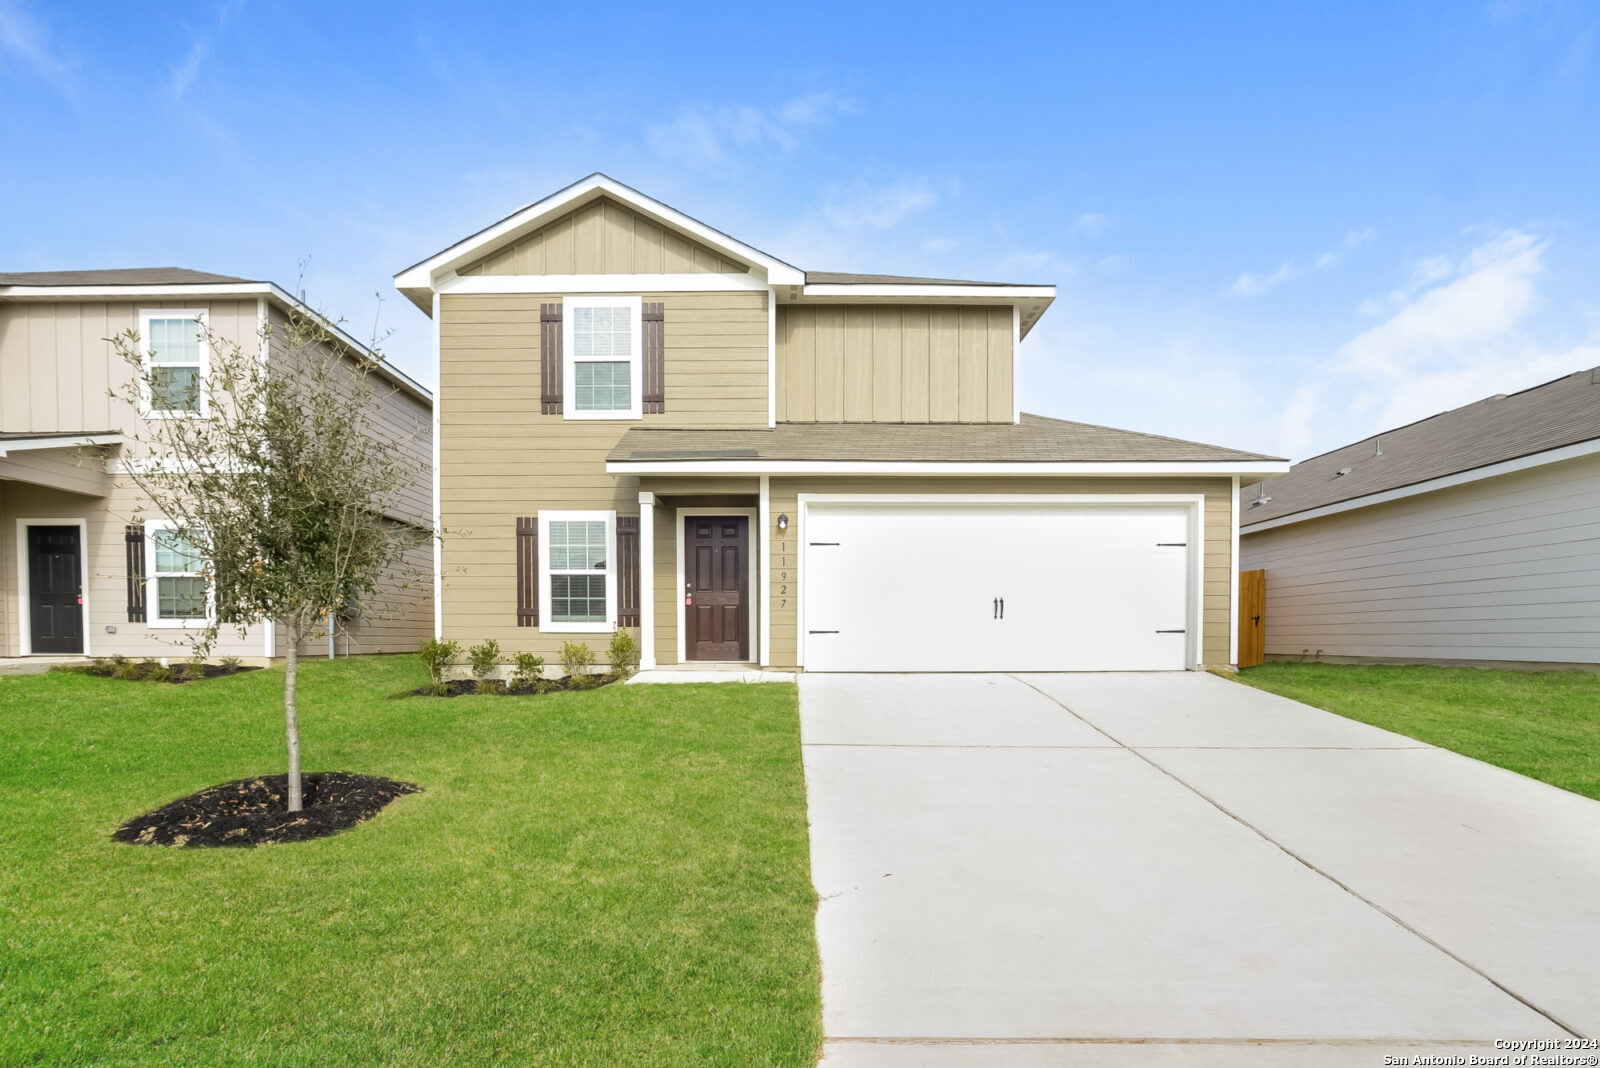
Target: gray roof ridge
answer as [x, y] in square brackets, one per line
[1147, 434]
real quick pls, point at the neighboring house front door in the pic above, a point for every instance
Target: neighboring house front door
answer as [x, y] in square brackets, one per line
[55, 589]
[716, 610]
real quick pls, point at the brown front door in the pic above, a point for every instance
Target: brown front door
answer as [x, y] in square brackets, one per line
[716, 611]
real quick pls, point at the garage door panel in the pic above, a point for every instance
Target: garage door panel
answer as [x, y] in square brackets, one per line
[987, 588]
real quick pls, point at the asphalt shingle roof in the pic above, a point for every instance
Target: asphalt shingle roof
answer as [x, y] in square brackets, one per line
[1035, 439]
[1563, 412]
[122, 276]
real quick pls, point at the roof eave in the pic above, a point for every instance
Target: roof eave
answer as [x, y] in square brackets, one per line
[1131, 468]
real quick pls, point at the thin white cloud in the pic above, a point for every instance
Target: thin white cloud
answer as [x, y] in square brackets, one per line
[938, 246]
[711, 137]
[25, 41]
[1458, 334]
[878, 207]
[1251, 284]
[181, 76]
[1090, 224]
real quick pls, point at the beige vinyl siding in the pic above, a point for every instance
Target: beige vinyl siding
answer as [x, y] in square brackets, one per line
[1217, 563]
[894, 363]
[106, 552]
[604, 237]
[57, 367]
[500, 458]
[397, 418]
[1502, 570]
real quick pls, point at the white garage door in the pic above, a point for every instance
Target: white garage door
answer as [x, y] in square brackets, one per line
[991, 587]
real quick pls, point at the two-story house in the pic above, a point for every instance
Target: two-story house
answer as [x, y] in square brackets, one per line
[85, 568]
[644, 422]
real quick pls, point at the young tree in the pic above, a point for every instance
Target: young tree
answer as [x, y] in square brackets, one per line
[282, 488]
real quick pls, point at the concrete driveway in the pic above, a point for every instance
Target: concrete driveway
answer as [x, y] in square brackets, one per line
[1177, 869]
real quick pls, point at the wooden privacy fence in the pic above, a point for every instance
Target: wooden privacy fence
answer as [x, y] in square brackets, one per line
[1252, 627]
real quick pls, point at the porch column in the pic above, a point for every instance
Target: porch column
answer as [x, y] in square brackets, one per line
[647, 580]
[764, 569]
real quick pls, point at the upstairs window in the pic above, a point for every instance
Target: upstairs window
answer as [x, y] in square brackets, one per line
[175, 357]
[602, 346]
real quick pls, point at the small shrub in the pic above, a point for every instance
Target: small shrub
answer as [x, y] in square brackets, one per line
[438, 656]
[439, 689]
[576, 660]
[528, 672]
[154, 672]
[624, 655]
[194, 668]
[489, 686]
[128, 670]
[231, 663]
[484, 659]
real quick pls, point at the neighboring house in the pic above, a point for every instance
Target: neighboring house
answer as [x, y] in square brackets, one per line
[77, 575]
[1469, 537]
[645, 422]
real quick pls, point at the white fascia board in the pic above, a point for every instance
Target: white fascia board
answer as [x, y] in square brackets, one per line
[562, 284]
[421, 276]
[255, 290]
[1460, 478]
[912, 467]
[921, 291]
[73, 441]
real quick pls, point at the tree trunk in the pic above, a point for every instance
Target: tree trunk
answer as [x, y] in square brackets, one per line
[291, 715]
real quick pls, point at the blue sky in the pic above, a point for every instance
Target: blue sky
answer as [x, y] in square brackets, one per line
[1279, 230]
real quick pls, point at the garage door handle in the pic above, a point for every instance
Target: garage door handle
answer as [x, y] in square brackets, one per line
[1172, 632]
[1172, 545]
[822, 632]
[823, 543]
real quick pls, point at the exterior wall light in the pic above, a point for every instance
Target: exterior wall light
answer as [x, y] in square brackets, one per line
[783, 522]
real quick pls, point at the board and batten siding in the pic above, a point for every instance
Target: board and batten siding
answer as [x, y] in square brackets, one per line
[1502, 570]
[1217, 564]
[501, 459]
[860, 363]
[604, 237]
[56, 368]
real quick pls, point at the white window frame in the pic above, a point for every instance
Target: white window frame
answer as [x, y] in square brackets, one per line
[152, 593]
[569, 361]
[547, 622]
[201, 320]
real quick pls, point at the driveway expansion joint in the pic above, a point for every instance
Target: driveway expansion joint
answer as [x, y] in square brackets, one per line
[1264, 836]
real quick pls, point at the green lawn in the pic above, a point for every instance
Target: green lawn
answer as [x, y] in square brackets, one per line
[605, 878]
[1544, 724]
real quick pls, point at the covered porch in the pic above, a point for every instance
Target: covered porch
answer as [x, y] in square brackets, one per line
[704, 573]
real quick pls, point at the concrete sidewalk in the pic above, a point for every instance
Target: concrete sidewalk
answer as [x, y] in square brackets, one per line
[1133, 869]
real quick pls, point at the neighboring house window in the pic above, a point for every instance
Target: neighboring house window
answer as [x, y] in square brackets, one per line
[602, 348]
[178, 594]
[577, 582]
[175, 361]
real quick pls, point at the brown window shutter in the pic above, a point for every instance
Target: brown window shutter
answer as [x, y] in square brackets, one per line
[133, 536]
[527, 571]
[627, 571]
[652, 319]
[550, 359]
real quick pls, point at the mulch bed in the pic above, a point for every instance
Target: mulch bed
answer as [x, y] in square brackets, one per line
[248, 812]
[212, 671]
[469, 688]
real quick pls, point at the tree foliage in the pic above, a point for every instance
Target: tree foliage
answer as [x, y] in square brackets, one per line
[285, 487]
